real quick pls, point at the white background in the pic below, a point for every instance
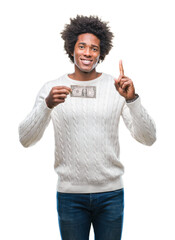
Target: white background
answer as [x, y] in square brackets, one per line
[31, 53]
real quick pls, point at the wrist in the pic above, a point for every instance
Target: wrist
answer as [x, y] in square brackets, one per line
[129, 100]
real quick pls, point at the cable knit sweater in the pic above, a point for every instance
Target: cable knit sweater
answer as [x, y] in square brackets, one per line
[87, 151]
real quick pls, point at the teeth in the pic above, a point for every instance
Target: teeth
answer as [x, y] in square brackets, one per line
[86, 61]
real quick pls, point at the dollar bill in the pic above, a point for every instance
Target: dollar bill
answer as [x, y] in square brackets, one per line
[83, 91]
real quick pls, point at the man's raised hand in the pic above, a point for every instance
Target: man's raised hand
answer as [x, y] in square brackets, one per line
[124, 85]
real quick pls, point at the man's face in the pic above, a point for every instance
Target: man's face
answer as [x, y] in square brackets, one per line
[86, 52]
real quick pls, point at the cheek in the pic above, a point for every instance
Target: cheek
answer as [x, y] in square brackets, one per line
[76, 59]
[76, 54]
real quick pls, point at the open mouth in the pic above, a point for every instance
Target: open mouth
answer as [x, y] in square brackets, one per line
[86, 61]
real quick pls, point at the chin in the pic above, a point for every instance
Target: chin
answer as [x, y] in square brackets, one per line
[86, 70]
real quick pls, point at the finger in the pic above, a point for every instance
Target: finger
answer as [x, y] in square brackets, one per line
[58, 101]
[60, 96]
[123, 83]
[60, 91]
[121, 67]
[63, 91]
[123, 80]
[126, 85]
[118, 79]
[63, 87]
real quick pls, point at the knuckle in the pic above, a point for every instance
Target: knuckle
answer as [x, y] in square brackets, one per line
[54, 91]
[55, 100]
[54, 88]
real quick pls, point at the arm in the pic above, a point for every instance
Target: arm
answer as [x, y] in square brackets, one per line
[32, 128]
[139, 123]
[135, 117]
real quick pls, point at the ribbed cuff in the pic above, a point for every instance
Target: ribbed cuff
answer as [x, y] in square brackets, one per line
[132, 100]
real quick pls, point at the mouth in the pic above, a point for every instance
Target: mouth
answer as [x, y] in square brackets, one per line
[86, 61]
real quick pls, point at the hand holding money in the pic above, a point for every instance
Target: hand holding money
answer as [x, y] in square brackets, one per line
[57, 95]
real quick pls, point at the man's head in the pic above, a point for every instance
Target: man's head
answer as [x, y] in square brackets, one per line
[92, 25]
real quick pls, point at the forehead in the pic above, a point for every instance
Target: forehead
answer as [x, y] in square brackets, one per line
[89, 39]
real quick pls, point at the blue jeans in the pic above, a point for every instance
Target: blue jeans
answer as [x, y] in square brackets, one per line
[77, 211]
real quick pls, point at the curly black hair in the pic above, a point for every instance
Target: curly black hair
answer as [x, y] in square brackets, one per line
[84, 24]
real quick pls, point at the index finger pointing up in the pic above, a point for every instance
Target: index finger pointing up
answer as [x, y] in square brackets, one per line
[121, 67]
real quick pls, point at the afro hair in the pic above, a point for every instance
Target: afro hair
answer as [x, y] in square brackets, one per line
[83, 24]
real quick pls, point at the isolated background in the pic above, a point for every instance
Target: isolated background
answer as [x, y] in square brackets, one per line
[31, 53]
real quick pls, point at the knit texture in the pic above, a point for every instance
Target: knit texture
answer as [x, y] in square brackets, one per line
[87, 151]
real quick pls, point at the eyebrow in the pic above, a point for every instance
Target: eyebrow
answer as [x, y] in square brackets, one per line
[91, 44]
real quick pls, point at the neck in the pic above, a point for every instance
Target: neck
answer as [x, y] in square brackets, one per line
[84, 76]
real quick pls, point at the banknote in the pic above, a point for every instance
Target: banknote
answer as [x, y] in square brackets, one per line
[83, 91]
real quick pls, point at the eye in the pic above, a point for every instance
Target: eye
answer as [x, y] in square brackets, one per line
[81, 47]
[94, 49]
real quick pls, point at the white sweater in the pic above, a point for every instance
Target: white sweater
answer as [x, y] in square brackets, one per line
[87, 151]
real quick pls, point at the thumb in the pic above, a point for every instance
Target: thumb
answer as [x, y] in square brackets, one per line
[117, 83]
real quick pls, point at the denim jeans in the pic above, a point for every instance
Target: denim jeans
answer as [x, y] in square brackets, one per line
[77, 211]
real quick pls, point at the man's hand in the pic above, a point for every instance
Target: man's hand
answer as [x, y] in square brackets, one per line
[57, 95]
[124, 85]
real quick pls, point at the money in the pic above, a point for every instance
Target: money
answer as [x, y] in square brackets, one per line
[83, 91]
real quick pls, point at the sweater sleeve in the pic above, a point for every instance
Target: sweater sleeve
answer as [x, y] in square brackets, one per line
[139, 123]
[32, 128]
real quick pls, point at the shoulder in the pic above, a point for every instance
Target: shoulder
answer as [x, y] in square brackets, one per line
[47, 86]
[60, 81]
[107, 76]
[56, 82]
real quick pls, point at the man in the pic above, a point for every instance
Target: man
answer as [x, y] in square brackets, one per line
[85, 107]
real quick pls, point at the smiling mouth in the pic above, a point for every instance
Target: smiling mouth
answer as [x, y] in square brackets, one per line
[86, 61]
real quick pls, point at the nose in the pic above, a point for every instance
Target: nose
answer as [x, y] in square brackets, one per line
[87, 52]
